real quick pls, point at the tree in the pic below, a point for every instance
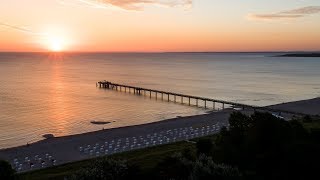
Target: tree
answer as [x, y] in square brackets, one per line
[174, 167]
[179, 168]
[204, 146]
[206, 168]
[105, 168]
[6, 171]
[268, 147]
[240, 122]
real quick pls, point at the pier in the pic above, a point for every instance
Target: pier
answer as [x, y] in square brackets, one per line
[208, 103]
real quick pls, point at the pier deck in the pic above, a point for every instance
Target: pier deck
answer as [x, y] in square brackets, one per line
[165, 95]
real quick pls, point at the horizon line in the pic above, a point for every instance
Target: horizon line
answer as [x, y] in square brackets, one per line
[153, 52]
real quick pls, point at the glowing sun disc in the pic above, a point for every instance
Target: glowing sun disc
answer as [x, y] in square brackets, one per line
[56, 44]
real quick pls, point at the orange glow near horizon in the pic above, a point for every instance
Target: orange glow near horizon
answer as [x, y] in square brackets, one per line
[207, 26]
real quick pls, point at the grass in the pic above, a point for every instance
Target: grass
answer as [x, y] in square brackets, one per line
[145, 158]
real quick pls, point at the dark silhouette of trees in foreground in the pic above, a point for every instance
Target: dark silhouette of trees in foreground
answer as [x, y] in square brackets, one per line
[105, 168]
[265, 147]
[6, 171]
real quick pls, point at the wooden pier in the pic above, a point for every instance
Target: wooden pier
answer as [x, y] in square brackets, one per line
[164, 95]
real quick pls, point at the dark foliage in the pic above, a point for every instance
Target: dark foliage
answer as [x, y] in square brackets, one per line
[105, 168]
[6, 171]
[174, 167]
[180, 168]
[267, 147]
[205, 168]
[205, 146]
[307, 119]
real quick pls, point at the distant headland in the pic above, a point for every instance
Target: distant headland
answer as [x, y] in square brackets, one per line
[300, 55]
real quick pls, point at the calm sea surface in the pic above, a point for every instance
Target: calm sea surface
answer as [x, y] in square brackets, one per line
[48, 93]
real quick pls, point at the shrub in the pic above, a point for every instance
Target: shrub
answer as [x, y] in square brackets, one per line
[307, 119]
[104, 168]
[6, 171]
[205, 146]
[205, 168]
[174, 167]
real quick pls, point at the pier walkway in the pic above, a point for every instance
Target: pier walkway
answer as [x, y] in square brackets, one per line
[187, 99]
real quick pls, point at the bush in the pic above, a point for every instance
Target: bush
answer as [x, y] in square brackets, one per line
[6, 171]
[205, 146]
[307, 119]
[105, 168]
[205, 168]
[174, 167]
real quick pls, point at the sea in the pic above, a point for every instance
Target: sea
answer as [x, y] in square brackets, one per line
[56, 93]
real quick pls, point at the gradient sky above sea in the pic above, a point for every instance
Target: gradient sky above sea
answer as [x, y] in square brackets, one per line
[160, 25]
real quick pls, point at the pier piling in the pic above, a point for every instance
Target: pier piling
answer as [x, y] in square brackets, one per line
[137, 90]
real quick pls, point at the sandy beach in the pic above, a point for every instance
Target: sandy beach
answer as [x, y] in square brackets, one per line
[309, 106]
[66, 149]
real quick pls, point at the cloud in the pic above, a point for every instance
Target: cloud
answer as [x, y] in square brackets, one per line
[304, 10]
[290, 14]
[21, 29]
[132, 4]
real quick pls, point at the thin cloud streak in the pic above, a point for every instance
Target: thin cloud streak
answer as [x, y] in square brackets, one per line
[21, 29]
[133, 4]
[304, 10]
[290, 14]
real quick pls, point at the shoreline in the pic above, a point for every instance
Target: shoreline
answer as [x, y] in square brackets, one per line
[313, 54]
[307, 106]
[65, 149]
[178, 118]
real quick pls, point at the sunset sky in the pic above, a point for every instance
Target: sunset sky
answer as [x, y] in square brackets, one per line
[159, 25]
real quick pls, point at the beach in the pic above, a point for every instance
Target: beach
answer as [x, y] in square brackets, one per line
[67, 148]
[310, 106]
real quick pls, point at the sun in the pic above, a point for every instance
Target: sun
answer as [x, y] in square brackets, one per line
[56, 39]
[56, 44]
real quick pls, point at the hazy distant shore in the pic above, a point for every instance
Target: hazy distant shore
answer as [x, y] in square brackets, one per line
[65, 149]
[300, 55]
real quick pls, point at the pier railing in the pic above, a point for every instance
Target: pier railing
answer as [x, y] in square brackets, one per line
[165, 95]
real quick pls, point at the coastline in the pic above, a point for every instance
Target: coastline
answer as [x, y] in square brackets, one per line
[300, 55]
[308, 106]
[65, 149]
